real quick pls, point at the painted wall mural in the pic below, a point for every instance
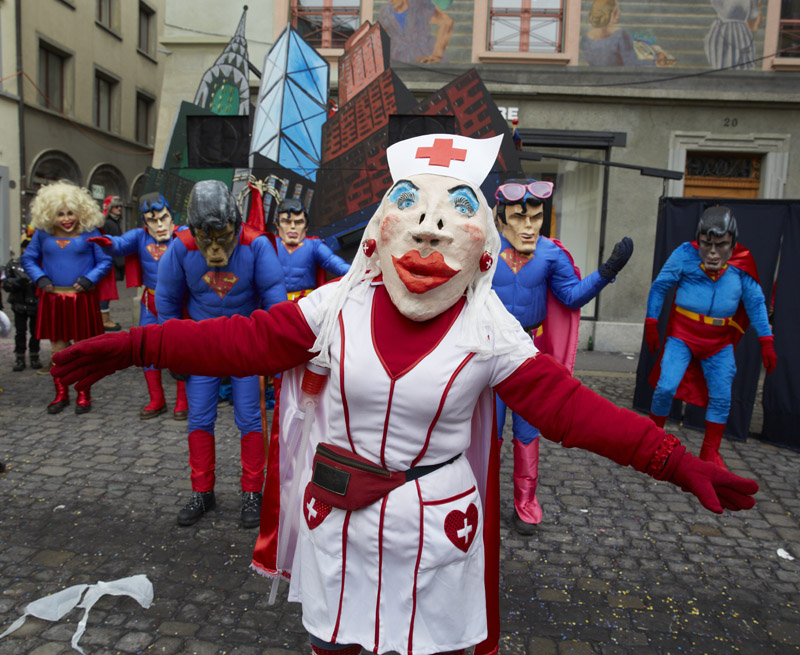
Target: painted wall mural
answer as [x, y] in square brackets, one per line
[687, 34]
[607, 43]
[420, 30]
[713, 34]
[730, 40]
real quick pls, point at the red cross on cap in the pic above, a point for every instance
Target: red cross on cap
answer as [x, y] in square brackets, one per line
[441, 153]
[450, 155]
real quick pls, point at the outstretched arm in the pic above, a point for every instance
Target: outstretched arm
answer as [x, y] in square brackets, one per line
[264, 343]
[544, 394]
[119, 246]
[329, 260]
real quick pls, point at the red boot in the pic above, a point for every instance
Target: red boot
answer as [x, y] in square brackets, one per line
[62, 397]
[658, 420]
[253, 461]
[528, 512]
[157, 404]
[202, 456]
[181, 411]
[709, 451]
[84, 402]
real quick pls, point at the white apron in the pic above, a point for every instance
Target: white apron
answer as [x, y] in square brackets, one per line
[405, 574]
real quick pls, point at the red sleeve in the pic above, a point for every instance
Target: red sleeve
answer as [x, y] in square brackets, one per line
[265, 343]
[544, 393]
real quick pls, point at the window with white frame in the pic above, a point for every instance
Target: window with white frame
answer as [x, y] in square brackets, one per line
[325, 23]
[534, 26]
[789, 29]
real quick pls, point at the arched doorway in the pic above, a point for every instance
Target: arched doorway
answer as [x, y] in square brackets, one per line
[48, 167]
[107, 180]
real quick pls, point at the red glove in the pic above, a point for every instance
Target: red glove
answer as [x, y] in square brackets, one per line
[768, 355]
[651, 334]
[105, 242]
[714, 487]
[88, 361]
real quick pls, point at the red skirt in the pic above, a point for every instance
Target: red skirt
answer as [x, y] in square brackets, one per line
[69, 316]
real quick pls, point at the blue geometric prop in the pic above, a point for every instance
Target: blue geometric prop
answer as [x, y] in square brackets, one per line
[292, 105]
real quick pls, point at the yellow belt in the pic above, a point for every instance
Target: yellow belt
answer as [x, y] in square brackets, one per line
[64, 290]
[294, 295]
[709, 320]
[535, 331]
[152, 292]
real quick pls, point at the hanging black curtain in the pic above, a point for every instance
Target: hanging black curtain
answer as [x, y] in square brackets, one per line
[763, 225]
[782, 388]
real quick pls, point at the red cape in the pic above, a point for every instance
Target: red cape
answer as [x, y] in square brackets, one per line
[560, 326]
[693, 388]
[133, 265]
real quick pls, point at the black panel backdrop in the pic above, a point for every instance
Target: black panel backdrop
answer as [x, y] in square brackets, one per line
[771, 230]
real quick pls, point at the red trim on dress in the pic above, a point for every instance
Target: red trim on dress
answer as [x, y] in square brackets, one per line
[344, 570]
[441, 406]
[386, 423]
[345, 409]
[385, 319]
[451, 499]
[380, 574]
[416, 569]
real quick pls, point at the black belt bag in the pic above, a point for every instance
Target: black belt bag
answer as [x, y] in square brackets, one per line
[348, 481]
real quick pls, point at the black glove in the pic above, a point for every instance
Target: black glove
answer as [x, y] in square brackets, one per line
[43, 282]
[619, 257]
[180, 377]
[12, 283]
[85, 283]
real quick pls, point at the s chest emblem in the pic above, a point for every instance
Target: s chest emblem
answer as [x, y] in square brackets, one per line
[156, 250]
[220, 281]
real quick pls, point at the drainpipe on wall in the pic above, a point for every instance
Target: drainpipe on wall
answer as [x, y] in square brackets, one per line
[21, 104]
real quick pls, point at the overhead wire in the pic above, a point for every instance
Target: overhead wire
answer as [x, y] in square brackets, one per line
[104, 142]
[654, 80]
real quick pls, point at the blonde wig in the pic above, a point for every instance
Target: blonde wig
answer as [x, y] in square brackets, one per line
[52, 198]
[600, 13]
[484, 313]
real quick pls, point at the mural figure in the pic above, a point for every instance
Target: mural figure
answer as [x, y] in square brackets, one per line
[729, 42]
[408, 23]
[607, 44]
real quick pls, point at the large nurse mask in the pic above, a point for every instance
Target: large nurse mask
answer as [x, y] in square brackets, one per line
[432, 224]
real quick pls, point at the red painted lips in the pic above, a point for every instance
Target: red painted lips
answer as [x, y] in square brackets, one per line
[421, 274]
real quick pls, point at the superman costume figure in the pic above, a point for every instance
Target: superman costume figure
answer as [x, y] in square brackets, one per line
[142, 248]
[717, 292]
[219, 268]
[537, 279]
[416, 343]
[304, 259]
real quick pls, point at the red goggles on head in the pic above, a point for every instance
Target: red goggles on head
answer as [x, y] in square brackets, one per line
[516, 192]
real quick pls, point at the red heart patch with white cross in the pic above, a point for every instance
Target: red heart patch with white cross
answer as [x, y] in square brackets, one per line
[314, 509]
[460, 527]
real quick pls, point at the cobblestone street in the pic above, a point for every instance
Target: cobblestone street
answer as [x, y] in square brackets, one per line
[621, 564]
